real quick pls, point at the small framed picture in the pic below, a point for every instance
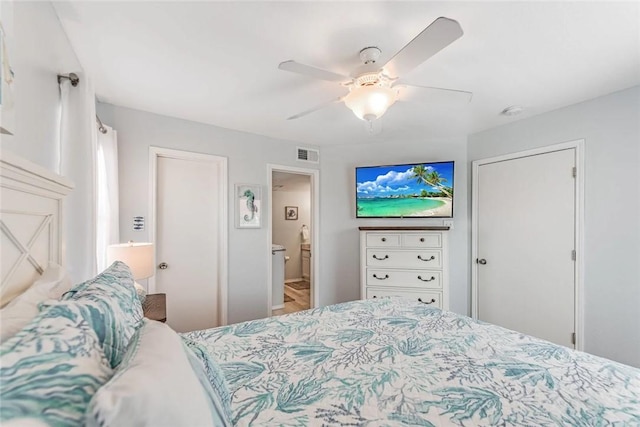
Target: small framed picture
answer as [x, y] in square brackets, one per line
[291, 212]
[248, 200]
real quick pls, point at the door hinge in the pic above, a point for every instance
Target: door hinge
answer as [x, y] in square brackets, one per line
[574, 172]
[573, 338]
[573, 255]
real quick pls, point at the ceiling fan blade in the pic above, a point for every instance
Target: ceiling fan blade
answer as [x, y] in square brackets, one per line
[314, 109]
[440, 34]
[310, 71]
[462, 94]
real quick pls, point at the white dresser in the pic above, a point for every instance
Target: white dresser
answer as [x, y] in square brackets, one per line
[405, 261]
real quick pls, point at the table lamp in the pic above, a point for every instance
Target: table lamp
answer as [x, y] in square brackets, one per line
[139, 258]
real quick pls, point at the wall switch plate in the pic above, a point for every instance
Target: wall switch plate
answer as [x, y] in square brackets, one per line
[448, 223]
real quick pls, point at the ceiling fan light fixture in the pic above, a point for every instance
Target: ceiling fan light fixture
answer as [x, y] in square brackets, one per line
[371, 93]
[370, 102]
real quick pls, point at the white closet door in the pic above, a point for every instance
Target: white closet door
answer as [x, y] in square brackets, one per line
[187, 215]
[526, 226]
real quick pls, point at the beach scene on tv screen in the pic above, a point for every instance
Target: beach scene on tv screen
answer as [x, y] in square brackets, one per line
[410, 190]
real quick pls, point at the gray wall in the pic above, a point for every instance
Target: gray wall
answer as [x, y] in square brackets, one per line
[247, 154]
[339, 236]
[37, 58]
[610, 126]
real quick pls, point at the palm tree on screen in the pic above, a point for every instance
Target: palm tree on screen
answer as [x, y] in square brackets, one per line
[429, 176]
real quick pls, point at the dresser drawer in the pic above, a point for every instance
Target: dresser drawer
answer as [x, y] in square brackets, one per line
[426, 240]
[426, 279]
[383, 239]
[433, 299]
[420, 259]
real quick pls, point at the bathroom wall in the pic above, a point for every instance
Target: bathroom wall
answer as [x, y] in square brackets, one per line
[287, 232]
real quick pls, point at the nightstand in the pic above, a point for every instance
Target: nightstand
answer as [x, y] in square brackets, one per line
[155, 307]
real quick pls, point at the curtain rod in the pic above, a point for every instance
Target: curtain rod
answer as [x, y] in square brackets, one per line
[101, 127]
[74, 79]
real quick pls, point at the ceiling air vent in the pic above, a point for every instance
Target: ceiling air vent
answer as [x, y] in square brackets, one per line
[308, 155]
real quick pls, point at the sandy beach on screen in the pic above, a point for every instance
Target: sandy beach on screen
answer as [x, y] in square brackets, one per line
[444, 210]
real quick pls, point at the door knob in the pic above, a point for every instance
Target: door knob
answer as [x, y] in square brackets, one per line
[163, 266]
[482, 261]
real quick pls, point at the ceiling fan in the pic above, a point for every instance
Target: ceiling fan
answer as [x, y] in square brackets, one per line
[373, 91]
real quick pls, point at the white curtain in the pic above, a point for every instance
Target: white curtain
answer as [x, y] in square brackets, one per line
[78, 134]
[108, 224]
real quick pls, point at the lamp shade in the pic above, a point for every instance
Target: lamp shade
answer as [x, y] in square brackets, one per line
[138, 256]
[370, 102]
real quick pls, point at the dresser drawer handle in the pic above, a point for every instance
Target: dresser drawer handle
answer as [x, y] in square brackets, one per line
[386, 276]
[384, 239]
[427, 280]
[375, 296]
[428, 259]
[422, 239]
[425, 302]
[380, 259]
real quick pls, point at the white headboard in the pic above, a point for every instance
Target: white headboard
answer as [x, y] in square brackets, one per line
[30, 222]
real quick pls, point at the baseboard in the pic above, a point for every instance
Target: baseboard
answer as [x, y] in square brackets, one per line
[294, 280]
[277, 307]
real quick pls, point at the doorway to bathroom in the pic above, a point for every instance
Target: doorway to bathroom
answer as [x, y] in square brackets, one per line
[293, 239]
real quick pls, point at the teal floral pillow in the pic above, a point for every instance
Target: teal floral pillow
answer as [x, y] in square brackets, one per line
[51, 369]
[114, 284]
[110, 304]
[106, 321]
[142, 292]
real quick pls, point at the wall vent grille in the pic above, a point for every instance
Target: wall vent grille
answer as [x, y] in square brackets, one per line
[308, 155]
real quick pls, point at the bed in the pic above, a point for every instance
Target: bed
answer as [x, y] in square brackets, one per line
[87, 356]
[400, 362]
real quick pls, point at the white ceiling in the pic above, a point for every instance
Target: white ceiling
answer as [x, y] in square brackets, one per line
[216, 62]
[286, 181]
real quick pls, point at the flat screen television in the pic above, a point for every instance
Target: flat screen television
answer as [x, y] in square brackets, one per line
[411, 190]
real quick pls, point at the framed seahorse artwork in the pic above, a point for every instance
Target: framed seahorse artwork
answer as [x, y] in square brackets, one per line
[248, 205]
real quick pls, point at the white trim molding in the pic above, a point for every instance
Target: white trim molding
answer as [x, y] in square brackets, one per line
[578, 146]
[223, 226]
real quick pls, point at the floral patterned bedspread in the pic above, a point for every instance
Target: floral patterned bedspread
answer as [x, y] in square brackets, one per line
[398, 362]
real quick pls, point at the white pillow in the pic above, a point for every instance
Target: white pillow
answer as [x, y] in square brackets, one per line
[156, 384]
[18, 313]
[59, 278]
